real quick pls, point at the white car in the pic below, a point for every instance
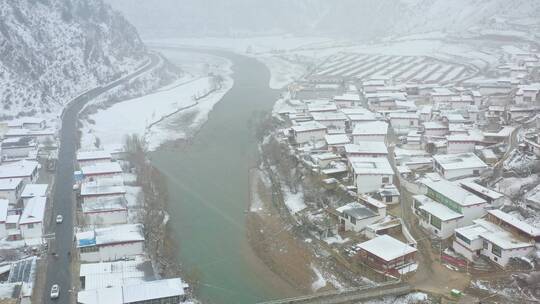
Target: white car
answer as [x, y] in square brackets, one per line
[59, 219]
[55, 291]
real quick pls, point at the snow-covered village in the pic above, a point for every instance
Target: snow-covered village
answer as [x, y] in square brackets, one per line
[378, 151]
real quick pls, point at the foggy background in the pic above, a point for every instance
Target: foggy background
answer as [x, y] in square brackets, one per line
[359, 19]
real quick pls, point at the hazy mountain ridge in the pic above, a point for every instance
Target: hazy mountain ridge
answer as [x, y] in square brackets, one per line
[364, 19]
[50, 50]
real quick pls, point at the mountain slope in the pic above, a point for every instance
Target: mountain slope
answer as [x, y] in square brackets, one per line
[51, 50]
[362, 19]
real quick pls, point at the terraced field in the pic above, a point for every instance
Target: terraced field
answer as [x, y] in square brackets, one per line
[402, 69]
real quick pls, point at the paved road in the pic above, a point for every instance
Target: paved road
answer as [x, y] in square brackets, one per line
[58, 269]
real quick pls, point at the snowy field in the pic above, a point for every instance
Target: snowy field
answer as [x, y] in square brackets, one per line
[148, 115]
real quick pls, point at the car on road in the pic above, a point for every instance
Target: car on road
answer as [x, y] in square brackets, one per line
[55, 291]
[59, 219]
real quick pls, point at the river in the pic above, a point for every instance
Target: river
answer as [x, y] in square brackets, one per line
[209, 191]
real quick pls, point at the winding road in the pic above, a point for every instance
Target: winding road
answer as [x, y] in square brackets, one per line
[59, 267]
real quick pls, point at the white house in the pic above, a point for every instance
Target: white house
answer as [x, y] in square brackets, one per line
[336, 142]
[110, 243]
[309, 131]
[467, 240]
[456, 198]
[436, 218]
[101, 170]
[30, 123]
[358, 115]
[4, 206]
[90, 157]
[528, 94]
[389, 194]
[105, 211]
[367, 149]
[494, 198]
[370, 131]
[102, 187]
[501, 246]
[355, 217]
[33, 190]
[404, 120]
[458, 165]
[31, 221]
[159, 291]
[10, 189]
[434, 129]
[41, 136]
[370, 173]
[18, 148]
[332, 120]
[27, 170]
[347, 100]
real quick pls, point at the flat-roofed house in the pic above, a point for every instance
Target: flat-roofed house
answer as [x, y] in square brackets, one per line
[25, 169]
[336, 142]
[332, 120]
[493, 197]
[101, 170]
[434, 129]
[436, 218]
[111, 243]
[105, 211]
[309, 131]
[387, 255]
[11, 189]
[102, 187]
[355, 217]
[370, 131]
[452, 166]
[347, 100]
[4, 206]
[370, 173]
[366, 149]
[33, 190]
[90, 157]
[18, 148]
[31, 220]
[457, 199]
[404, 120]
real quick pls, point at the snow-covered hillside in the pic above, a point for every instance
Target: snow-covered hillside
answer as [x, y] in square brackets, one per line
[362, 19]
[52, 50]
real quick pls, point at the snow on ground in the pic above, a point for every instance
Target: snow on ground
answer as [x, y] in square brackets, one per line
[148, 115]
[412, 298]
[283, 72]
[294, 201]
[511, 186]
[320, 282]
[337, 239]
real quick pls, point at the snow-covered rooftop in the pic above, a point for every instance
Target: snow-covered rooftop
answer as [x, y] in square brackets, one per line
[101, 168]
[328, 116]
[110, 235]
[108, 274]
[403, 115]
[371, 165]
[505, 240]
[387, 247]
[347, 97]
[454, 192]
[93, 155]
[31, 190]
[480, 226]
[34, 211]
[103, 186]
[337, 139]
[371, 128]
[7, 184]
[481, 189]
[434, 125]
[308, 126]
[436, 209]
[105, 204]
[23, 168]
[516, 223]
[366, 147]
[459, 161]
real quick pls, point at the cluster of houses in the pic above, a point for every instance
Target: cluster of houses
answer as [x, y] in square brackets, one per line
[110, 242]
[375, 139]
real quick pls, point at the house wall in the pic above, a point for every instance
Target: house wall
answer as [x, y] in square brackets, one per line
[333, 124]
[360, 224]
[113, 252]
[31, 233]
[368, 137]
[305, 137]
[466, 252]
[505, 254]
[3, 230]
[11, 195]
[371, 183]
[344, 103]
[449, 174]
[17, 152]
[106, 218]
[446, 230]
[103, 175]
[90, 162]
[435, 132]
[404, 122]
[455, 147]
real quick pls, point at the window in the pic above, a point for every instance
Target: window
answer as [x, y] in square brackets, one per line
[485, 245]
[496, 250]
[385, 180]
[388, 199]
[411, 123]
[464, 239]
[11, 226]
[89, 249]
[353, 220]
[476, 172]
[435, 222]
